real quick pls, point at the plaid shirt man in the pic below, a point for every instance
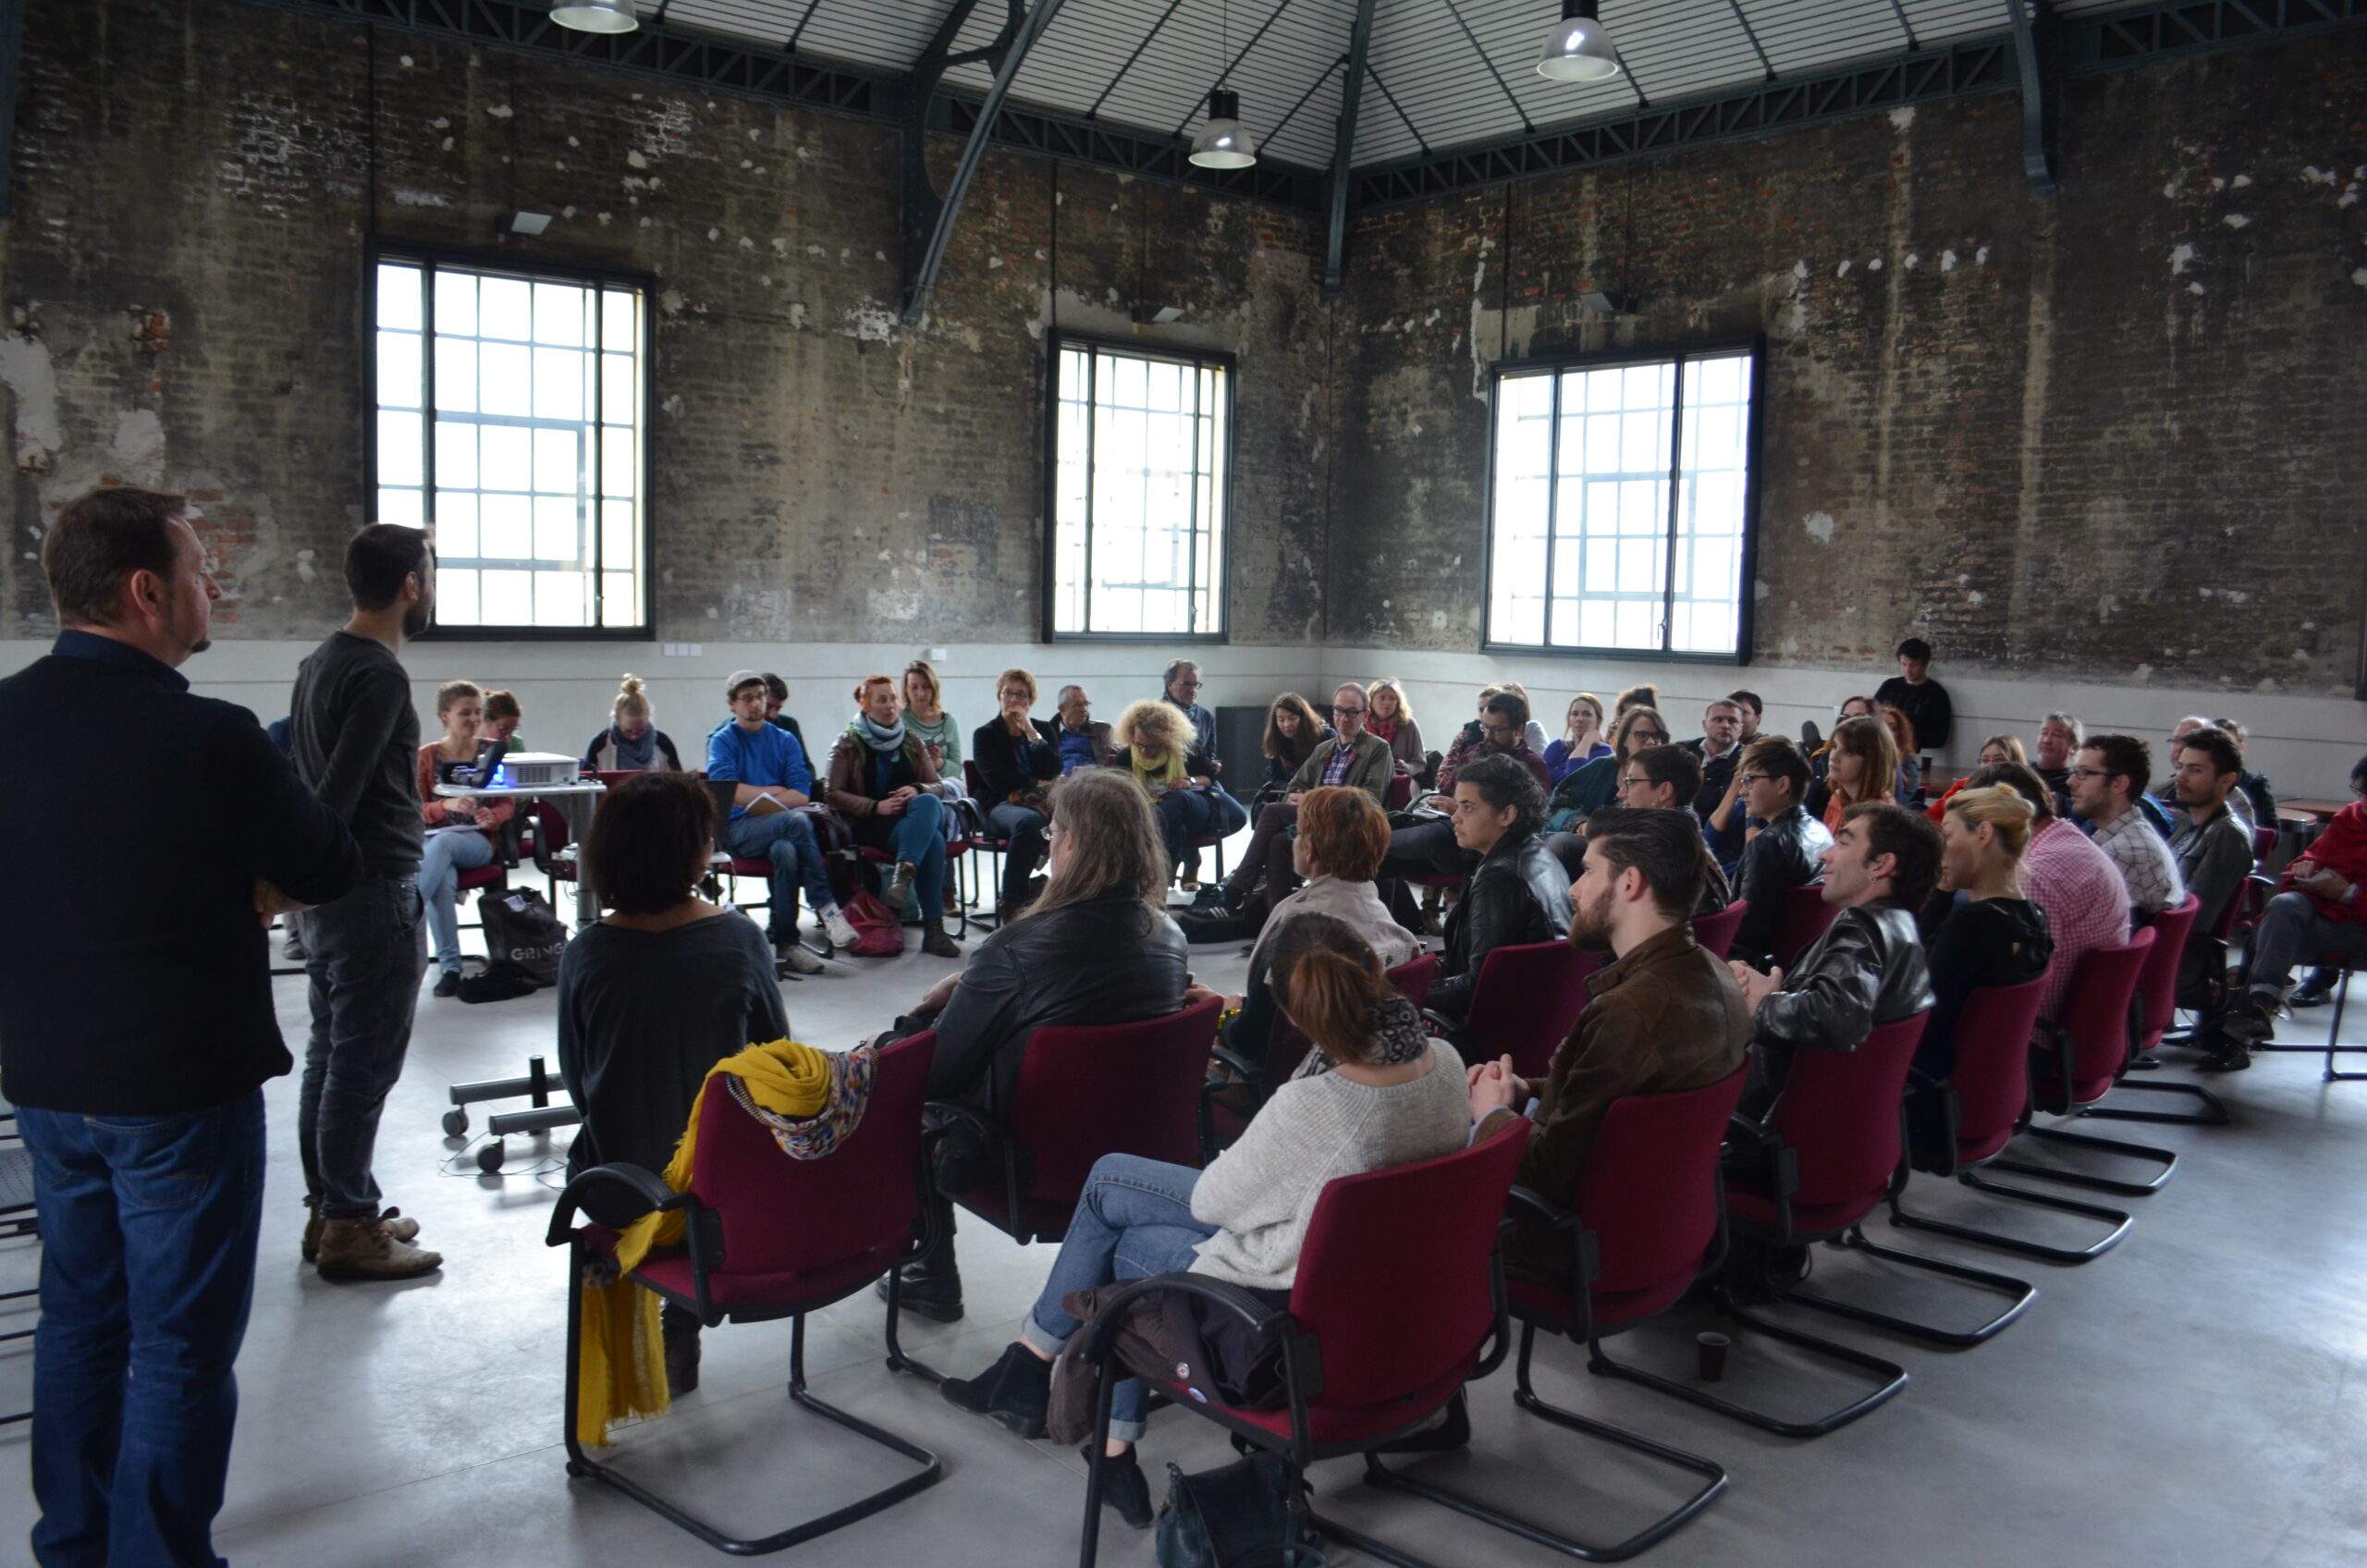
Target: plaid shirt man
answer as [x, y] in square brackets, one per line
[2085, 900]
[2145, 862]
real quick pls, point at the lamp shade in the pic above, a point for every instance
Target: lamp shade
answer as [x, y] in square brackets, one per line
[596, 15]
[1224, 142]
[1578, 49]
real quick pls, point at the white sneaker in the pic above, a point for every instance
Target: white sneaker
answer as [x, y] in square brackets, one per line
[798, 958]
[839, 928]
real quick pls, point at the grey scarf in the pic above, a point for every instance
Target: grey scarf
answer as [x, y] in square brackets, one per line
[879, 739]
[1398, 1038]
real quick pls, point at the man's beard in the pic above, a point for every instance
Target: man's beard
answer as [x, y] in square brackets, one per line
[1591, 926]
[415, 618]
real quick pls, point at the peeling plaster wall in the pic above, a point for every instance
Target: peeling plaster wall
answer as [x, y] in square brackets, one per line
[184, 279]
[2111, 436]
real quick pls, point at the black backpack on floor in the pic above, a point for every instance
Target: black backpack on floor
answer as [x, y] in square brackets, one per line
[523, 934]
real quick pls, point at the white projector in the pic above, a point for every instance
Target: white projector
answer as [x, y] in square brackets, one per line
[537, 770]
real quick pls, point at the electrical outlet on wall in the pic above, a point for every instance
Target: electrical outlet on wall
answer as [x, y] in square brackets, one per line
[936, 656]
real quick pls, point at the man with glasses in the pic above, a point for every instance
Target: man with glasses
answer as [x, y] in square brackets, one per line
[1720, 748]
[1786, 853]
[1656, 778]
[1355, 757]
[2106, 780]
[1083, 742]
[1430, 848]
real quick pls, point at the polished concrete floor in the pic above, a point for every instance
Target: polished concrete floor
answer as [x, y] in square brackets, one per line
[2186, 1399]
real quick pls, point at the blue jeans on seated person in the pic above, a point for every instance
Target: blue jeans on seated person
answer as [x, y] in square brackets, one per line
[148, 1231]
[440, 864]
[1133, 1220]
[1024, 827]
[915, 836]
[1190, 814]
[786, 838]
[2291, 931]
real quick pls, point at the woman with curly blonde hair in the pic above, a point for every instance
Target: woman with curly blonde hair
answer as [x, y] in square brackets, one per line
[1160, 751]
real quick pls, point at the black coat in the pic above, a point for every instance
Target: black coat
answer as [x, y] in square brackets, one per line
[1784, 856]
[1005, 769]
[1867, 969]
[1519, 894]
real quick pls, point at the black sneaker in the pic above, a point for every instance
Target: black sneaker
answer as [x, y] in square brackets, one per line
[2317, 990]
[449, 982]
[1125, 1490]
[1015, 1392]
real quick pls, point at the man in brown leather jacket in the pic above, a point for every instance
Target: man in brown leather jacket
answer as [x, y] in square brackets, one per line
[1663, 1015]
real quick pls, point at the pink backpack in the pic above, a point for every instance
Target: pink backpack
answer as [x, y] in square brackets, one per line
[878, 932]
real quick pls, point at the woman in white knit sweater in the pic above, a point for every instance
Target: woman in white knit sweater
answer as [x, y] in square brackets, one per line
[1377, 1092]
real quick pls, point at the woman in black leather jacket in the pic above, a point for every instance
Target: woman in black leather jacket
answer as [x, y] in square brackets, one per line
[1096, 947]
[1520, 893]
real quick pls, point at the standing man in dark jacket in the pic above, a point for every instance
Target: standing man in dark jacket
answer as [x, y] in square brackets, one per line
[355, 740]
[136, 1031]
[1923, 700]
[1663, 1015]
[1868, 968]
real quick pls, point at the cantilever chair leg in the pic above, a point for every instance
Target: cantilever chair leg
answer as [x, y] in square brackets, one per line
[2211, 1111]
[1893, 1377]
[2021, 1292]
[1712, 1474]
[2166, 1158]
[2333, 1033]
[2120, 1223]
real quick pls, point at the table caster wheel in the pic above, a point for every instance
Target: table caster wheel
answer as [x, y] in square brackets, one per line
[490, 1157]
[456, 1122]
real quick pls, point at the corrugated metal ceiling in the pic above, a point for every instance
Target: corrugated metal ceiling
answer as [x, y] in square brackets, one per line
[1443, 73]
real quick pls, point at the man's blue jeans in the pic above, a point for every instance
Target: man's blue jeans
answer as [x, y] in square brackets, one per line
[148, 1266]
[367, 951]
[786, 838]
[1134, 1221]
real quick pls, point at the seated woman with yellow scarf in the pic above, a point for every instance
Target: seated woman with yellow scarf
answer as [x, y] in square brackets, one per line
[1158, 749]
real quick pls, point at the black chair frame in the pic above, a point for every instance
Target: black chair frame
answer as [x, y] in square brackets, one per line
[1586, 1268]
[2059, 1047]
[1968, 1177]
[1303, 1381]
[643, 1194]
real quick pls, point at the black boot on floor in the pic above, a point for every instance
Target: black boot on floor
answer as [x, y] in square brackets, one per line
[681, 1333]
[1125, 1490]
[1015, 1392]
[929, 1287]
[2318, 989]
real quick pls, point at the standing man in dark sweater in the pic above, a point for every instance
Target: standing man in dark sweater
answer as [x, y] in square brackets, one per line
[136, 1031]
[356, 740]
[1923, 700]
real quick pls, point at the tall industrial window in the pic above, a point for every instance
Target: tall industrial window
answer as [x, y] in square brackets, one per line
[1619, 506]
[1140, 474]
[509, 417]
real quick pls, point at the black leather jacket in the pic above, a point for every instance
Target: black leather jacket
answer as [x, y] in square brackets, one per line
[1867, 969]
[1784, 856]
[1109, 961]
[1520, 893]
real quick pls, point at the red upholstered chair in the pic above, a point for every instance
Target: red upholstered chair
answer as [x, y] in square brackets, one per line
[1806, 915]
[1528, 998]
[1716, 932]
[1399, 794]
[2076, 1064]
[1991, 1092]
[770, 1237]
[1651, 1220]
[1084, 1091]
[2156, 1010]
[1398, 1302]
[1220, 1124]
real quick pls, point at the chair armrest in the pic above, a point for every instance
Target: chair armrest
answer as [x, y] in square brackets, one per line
[1304, 1368]
[1239, 1063]
[1545, 1209]
[976, 1120]
[1586, 1257]
[629, 1180]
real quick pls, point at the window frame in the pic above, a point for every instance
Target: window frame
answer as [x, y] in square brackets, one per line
[1745, 597]
[386, 248]
[1055, 342]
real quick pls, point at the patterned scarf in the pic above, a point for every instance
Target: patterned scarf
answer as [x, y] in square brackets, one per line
[1398, 1038]
[812, 1137]
[879, 739]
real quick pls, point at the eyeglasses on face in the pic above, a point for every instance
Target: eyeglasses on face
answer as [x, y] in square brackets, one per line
[2089, 773]
[1634, 781]
[1338, 709]
[1014, 694]
[1748, 779]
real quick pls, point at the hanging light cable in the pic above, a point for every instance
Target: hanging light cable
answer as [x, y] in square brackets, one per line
[1578, 49]
[596, 15]
[1223, 141]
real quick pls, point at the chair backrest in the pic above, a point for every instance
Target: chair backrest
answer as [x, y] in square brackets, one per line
[1088, 1090]
[1529, 996]
[2263, 841]
[1840, 1114]
[550, 832]
[1805, 917]
[1992, 1077]
[1716, 932]
[971, 780]
[2157, 983]
[1649, 1189]
[1393, 1278]
[2095, 1013]
[1400, 793]
[784, 1216]
[1413, 978]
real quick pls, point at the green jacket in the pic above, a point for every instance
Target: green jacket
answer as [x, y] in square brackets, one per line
[1369, 772]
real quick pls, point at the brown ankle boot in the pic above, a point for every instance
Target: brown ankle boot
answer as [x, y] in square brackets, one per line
[368, 1249]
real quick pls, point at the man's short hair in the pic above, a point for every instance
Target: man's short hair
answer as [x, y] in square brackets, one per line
[2078, 731]
[1071, 688]
[1672, 765]
[1666, 846]
[1778, 758]
[1749, 700]
[1502, 783]
[1911, 836]
[775, 687]
[1917, 649]
[99, 540]
[2123, 754]
[378, 560]
[2220, 745]
[2023, 779]
[1512, 707]
[1356, 686]
[1176, 668]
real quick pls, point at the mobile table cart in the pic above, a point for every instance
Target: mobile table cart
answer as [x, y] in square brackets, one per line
[576, 801]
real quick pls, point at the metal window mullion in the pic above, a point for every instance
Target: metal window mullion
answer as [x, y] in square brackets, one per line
[1553, 502]
[1192, 517]
[426, 398]
[1675, 467]
[597, 477]
[1092, 473]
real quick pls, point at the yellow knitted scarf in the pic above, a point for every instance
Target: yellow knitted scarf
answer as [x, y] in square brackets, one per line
[1157, 777]
[622, 1365]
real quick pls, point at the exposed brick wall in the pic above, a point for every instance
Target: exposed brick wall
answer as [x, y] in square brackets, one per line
[193, 190]
[2039, 430]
